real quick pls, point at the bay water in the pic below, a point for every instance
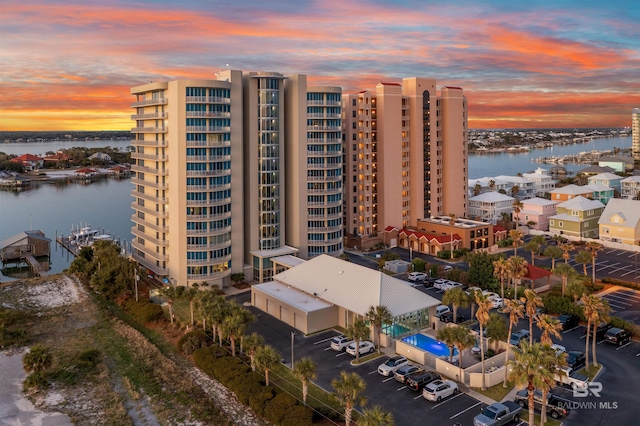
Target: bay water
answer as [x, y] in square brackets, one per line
[56, 208]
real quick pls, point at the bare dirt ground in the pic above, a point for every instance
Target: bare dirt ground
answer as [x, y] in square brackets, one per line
[134, 383]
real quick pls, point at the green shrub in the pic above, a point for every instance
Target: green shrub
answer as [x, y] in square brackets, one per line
[320, 414]
[90, 358]
[630, 327]
[258, 400]
[562, 305]
[143, 310]
[245, 385]
[35, 380]
[191, 341]
[206, 358]
[276, 409]
[298, 416]
[444, 254]
[621, 283]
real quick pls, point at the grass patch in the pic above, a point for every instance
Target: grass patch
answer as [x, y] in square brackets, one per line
[592, 371]
[367, 358]
[496, 392]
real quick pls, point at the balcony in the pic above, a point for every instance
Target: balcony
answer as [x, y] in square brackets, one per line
[208, 114]
[149, 130]
[149, 197]
[208, 129]
[146, 224]
[150, 266]
[324, 166]
[150, 184]
[136, 207]
[324, 242]
[150, 116]
[325, 128]
[150, 143]
[149, 102]
[142, 169]
[148, 238]
[208, 158]
[324, 229]
[209, 172]
[325, 204]
[324, 102]
[191, 203]
[208, 143]
[152, 157]
[207, 100]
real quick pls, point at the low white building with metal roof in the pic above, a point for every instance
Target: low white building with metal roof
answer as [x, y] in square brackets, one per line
[325, 292]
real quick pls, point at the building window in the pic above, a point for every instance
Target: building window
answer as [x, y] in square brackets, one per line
[560, 224]
[552, 222]
[605, 230]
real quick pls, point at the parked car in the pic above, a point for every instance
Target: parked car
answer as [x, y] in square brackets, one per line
[601, 331]
[555, 408]
[392, 364]
[447, 268]
[448, 317]
[559, 349]
[365, 347]
[568, 321]
[472, 289]
[617, 336]
[575, 359]
[442, 309]
[519, 336]
[402, 374]
[419, 380]
[429, 282]
[450, 284]
[539, 310]
[417, 276]
[567, 376]
[498, 414]
[439, 389]
[340, 343]
[496, 302]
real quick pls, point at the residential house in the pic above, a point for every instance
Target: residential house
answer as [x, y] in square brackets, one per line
[619, 164]
[620, 222]
[487, 184]
[630, 187]
[537, 212]
[101, 157]
[607, 179]
[577, 217]
[568, 192]
[595, 170]
[489, 206]
[57, 158]
[29, 162]
[543, 181]
[526, 187]
[600, 192]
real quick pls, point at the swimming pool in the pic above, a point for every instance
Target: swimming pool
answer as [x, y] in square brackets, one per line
[429, 344]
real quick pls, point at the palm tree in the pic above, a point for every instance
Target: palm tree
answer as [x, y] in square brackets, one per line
[244, 318]
[584, 258]
[482, 315]
[594, 247]
[603, 310]
[517, 208]
[517, 270]
[357, 332]
[375, 417]
[501, 269]
[305, 371]
[477, 189]
[232, 328]
[589, 303]
[348, 387]
[576, 289]
[552, 361]
[492, 184]
[496, 329]
[378, 315]
[515, 310]
[37, 359]
[218, 311]
[170, 294]
[457, 298]
[515, 189]
[531, 303]
[446, 336]
[596, 310]
[528, 371]
[516, 237]
[191, 294]
[532, 247]
[566, 248]
[550, 326]
[567, 272]
[252, 342]
[267, 357]
[464, 339]
[472, 300]
[554, 253]
[452, 221]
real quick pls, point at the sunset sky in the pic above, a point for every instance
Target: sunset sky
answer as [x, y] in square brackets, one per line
[69, 65]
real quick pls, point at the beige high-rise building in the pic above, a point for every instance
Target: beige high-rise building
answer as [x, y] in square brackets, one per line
[635, 138]
[222, 169]
[405, 157]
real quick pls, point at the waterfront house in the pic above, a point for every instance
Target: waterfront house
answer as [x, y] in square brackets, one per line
[600, 192]
[607, 179]
[568, 192]
[526, 187]
[630, 187]
[577, 217]
[100, 157]
[620, 164]
[543, 181]
[489, 206]
[487, 184]
[538, 211]
[56, 159]
[25, 247]
[595, 170]
[13, 181]
[29, 162]
[620, 222]
[85, 172]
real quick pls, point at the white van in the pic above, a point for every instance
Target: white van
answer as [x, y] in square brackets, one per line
[442, 309]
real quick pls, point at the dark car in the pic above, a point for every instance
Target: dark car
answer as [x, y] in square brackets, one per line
[601, 330]
[556, 407]
[448, 317]
[403, 373]
[575, 360]
[429, 282]
[417, 381]
[568, 321]
[617, 336]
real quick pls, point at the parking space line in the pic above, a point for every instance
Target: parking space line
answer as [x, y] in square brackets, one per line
[571, 329]
[419, 396]
[465, 410]
[326, 349]
[386, 380]
[638, 354]
[399, 389]
[323, 340]
[623, 346]
[631, 255]
[603, 340]
[611, 299]
[341, 353]
[447, 400]
[374, 371]
[618, 308]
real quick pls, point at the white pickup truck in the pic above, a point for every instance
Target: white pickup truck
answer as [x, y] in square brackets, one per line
[566, 376]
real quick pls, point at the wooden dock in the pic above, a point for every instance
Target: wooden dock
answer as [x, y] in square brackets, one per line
[65, 243]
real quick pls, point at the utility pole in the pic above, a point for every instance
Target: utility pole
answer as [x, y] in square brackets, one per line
[293, 335]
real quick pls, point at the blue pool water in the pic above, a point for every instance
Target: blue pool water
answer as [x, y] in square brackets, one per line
[429, 344]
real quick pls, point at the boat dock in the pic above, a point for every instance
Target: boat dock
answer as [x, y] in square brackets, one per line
[83, 237]
[28, 247]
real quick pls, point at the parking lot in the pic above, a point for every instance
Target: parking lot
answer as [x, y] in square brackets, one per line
[624, 303]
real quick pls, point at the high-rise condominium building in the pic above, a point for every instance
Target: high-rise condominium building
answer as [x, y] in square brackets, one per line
[233, 173]
[635, 129]
[405, 157]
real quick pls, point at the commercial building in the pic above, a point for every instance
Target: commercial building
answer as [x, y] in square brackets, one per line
[635, 132]
[405, 157]
[234, 172]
